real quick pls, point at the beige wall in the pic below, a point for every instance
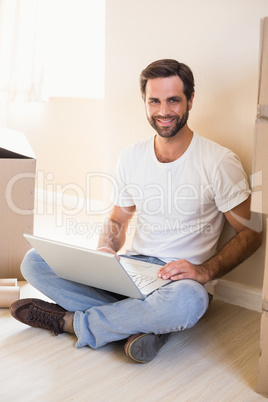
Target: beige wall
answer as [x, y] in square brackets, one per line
[218, 39]
[67, 138]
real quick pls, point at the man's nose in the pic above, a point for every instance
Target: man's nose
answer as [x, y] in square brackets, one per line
[163, 108]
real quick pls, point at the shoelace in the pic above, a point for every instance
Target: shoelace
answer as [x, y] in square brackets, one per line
[44, 319]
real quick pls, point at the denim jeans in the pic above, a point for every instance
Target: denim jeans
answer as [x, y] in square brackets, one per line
[101, 317]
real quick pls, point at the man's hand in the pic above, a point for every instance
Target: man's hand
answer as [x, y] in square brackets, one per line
[113, 234]
[246, 241]
[183, 269]
[108, 250]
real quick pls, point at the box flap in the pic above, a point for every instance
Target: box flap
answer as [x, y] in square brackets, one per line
[14, 142]
[263, 76]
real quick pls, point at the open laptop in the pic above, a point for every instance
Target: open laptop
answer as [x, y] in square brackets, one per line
[102, 270]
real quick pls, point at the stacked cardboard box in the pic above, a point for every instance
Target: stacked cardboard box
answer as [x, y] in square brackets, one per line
[17, 182]
[260, 163]
[260, 194]
[262, 386]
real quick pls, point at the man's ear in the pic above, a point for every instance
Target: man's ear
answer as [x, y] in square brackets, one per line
[190, 102]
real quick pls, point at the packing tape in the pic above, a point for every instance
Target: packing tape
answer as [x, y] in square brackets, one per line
[262, 111]
[8, 294]
[9, 282]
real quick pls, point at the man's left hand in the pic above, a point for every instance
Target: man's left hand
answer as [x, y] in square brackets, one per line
[183, 269]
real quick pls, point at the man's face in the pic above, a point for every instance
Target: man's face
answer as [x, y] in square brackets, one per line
[166, 105]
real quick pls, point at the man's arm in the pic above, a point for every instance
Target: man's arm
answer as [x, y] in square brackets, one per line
[246, 241]
[113, 234]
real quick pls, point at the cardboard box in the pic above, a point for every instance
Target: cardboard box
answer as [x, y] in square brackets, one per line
[265, 278]
[262, 385]
[260, 163]
[260, 166]
[17, 182]
[259, 201]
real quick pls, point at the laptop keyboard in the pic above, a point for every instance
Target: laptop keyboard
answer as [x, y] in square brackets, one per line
[141, 280]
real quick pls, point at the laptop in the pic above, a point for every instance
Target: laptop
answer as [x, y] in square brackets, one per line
[128, 277]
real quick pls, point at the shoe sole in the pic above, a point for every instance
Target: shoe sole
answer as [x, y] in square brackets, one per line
[144, 348]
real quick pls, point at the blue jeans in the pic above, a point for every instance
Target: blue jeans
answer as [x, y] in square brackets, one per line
[100, 317]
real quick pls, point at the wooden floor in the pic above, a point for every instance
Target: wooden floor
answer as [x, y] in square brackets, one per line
[217, 360]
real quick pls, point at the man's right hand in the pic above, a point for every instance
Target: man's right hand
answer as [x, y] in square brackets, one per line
[113, 234]
[107, 249]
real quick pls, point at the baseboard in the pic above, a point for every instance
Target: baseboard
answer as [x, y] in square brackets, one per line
[238, 294]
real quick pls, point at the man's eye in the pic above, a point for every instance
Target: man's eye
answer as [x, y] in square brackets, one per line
[154, 101]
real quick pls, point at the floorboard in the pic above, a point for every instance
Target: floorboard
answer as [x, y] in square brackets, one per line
[217, 360]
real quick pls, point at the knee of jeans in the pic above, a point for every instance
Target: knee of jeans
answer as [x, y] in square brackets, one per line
[198, 300]
[193, 300]
[27, 264]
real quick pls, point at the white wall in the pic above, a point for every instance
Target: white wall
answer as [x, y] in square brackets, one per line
[219, 40]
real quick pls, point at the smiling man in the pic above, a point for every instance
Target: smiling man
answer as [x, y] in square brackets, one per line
[182, 188]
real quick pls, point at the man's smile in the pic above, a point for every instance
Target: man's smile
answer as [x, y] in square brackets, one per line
[165, 121]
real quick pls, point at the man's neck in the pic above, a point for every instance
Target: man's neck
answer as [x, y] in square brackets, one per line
[170, 149]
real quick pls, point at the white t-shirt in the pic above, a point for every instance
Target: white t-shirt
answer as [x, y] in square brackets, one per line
[179, 205]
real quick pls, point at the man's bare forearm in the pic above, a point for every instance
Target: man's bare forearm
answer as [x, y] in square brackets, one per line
[112, 235]
[237, 250]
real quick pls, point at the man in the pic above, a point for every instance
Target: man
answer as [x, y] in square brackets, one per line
[182, 187]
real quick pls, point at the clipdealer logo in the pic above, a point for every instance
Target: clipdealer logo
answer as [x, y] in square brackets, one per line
[59, 199]
[54, 198]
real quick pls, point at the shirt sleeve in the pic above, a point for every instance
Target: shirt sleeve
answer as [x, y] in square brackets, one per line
[231, 183]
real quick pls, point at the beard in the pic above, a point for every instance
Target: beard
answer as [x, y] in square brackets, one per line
[168, 132]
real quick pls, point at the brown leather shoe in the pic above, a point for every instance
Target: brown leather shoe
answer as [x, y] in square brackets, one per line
[40, 314]
[143, 348]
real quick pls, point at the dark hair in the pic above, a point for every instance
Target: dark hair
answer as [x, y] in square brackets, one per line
[168, 68]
